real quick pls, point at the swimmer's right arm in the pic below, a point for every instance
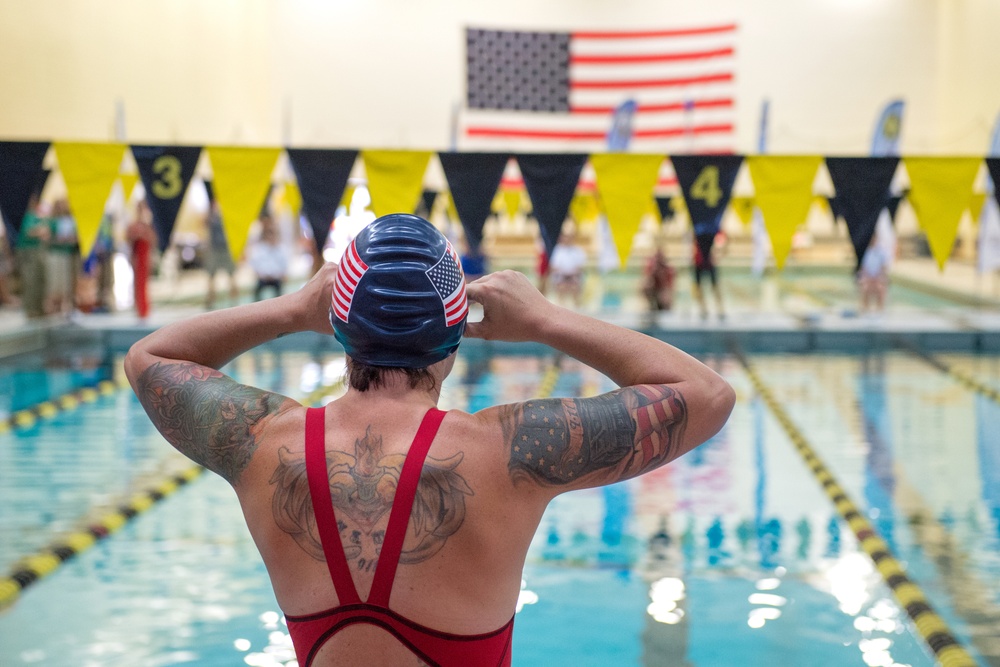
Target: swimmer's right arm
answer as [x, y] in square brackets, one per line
[669, 402]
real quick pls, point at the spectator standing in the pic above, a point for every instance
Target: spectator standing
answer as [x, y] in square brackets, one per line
[218, 257]
[873, 277]
[268, 258]
[6, 270]
[703, 264]
[31, 250]
[566, 267]
[141, 238]
[62, 260]
[658, 283]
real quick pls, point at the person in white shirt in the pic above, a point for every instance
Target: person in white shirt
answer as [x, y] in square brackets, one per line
[566, 267]
[873, 276]
[268, 259]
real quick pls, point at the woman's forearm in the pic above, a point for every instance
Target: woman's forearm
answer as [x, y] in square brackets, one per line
[627, 357]
[214, 339]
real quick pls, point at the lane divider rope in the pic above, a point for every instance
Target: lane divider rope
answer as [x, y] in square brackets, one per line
[549, 378]
[960, 376]
[32, 568]
[43, 563]
[932, 628]
[28, 417]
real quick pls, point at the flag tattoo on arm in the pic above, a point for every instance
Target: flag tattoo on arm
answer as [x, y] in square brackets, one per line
[599, 440]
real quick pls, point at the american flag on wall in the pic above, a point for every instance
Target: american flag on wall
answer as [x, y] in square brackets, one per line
[555, 91]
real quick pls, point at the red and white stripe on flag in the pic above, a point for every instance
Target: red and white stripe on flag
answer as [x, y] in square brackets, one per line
[682, 81]
[449, 281]
[349, 273]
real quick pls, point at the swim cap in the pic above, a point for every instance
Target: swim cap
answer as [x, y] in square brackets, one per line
[399, 296]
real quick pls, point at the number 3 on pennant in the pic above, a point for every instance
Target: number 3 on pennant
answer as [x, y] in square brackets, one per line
[168, 168]
[706, 186]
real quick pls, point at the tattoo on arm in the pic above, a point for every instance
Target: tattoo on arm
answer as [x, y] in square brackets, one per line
[362, 489]
[208, 417]
[555, 442]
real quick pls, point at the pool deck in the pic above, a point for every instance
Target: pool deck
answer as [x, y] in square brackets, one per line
[969, 322]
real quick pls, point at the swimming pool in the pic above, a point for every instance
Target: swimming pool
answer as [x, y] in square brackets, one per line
[731, 555]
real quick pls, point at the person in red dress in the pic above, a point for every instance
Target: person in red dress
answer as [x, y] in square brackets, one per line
[141, 238]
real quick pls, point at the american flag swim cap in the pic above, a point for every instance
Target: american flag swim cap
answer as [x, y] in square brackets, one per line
[399, 296]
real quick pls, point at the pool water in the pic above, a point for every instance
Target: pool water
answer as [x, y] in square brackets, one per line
[732, 555]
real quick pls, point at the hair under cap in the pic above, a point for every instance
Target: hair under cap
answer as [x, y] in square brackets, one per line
[399, 295]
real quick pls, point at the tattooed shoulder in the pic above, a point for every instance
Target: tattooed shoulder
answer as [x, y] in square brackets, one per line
[207, 416]
[560, 441]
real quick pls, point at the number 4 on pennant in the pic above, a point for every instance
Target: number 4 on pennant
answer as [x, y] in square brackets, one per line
[706, 186]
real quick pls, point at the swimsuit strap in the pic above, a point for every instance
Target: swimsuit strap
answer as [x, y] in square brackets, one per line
[402, 504]
[322, 503]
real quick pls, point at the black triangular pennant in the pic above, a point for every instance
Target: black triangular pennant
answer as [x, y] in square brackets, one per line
[426, 204]
[20, 174]
[322, 176]
[834, 208]
[551, 181]
[993, 165]
[265, 208]
[707, 183]
[666, 207]
[893, 206]
[473, 179]
[165, 172]
[862, 185]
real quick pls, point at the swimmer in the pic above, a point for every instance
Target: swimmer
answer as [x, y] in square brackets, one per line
[703, 264]
[394, 533]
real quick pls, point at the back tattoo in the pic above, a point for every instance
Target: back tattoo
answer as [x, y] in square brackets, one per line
[362, 488]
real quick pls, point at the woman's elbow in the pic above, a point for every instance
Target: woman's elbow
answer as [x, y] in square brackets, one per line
[721, 399]
[725, 399]
[134, 363]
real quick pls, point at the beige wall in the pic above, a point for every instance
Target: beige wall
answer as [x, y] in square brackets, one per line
[388, 72]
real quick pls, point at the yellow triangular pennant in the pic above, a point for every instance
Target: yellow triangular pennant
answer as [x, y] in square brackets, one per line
[625, 182]
[89, 171]
[512, 201]
[940, 189]
[449, 203]
[783, 193]
[678, 204]
[241, 180]
[497, 206]
[653, 210]
[293, 197]
[823, 204]
[345, 199]
[128, 182]
[395, 179]
[583, 208]
[976, 205]
[743, 208]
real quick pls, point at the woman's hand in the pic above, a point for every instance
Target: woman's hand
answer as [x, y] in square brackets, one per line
[313, 300]
[513, 309]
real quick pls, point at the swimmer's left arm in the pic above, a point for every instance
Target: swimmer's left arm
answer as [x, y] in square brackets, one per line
[562, 444]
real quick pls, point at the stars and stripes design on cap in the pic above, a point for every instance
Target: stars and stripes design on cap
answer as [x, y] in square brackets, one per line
[349, 273]
[448, 280]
